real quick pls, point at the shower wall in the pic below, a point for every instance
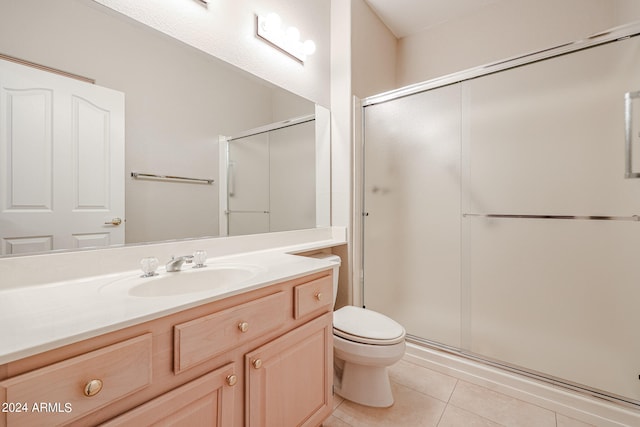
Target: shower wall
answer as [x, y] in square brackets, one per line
[499, 220]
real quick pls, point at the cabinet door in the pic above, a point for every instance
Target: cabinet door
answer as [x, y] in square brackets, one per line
[203, 402]
[289, 379]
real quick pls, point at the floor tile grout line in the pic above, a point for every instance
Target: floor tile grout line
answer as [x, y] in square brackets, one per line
[476, 414]
[442, 414]
[426, 394]
[453, 389]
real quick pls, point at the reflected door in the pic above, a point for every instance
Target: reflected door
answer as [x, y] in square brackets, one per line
[62, 162]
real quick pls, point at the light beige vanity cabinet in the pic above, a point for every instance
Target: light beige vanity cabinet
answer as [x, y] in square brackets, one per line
[207, 401]
[262, 358]
[287, 378]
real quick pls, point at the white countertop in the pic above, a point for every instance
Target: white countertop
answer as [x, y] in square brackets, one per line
[43, 317]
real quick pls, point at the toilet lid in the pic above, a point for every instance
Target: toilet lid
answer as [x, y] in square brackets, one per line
[366, 326]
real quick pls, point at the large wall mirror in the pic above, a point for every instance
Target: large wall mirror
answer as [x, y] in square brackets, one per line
[177, 103]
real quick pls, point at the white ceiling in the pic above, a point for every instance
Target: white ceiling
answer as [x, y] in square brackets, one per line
[405, 17]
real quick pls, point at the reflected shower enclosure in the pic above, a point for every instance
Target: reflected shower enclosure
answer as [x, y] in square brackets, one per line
[270, 178]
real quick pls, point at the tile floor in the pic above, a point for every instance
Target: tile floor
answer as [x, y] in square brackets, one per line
[424, 397]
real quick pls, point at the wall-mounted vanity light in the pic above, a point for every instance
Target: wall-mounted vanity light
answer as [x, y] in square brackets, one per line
[269, 28]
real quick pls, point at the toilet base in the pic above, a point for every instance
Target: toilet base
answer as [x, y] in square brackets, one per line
[366, 385]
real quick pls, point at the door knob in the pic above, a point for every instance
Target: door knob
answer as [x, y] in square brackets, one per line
[114, 221]
[257, 363]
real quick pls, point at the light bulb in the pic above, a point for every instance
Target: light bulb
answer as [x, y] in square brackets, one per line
[272, 22]
[293, 34]
[309, 47]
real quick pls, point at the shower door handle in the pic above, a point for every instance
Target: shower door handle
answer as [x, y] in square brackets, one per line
[629, 98]
[231, 178]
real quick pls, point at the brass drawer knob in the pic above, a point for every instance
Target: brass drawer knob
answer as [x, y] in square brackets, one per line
[92, 388]
[232, 380]
[243, 326]
[318, 295]
[257, 363]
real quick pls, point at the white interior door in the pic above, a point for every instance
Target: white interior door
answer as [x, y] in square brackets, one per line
[61, 162]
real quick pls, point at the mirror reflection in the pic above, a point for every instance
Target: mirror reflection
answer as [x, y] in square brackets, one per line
[266, 169]
[176, 102]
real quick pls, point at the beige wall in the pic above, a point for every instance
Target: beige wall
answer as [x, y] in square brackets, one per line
[363, 53]
[503, 30]
[341, 112]
[373, 52]
[626, 11]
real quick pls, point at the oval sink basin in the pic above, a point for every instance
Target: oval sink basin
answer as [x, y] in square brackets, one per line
[187, 281]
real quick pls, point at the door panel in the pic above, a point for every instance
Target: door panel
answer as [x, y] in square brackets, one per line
[289, 379]
[558, 297]
[62, 157]
[412, 198]
[30, 147]
[549, 138]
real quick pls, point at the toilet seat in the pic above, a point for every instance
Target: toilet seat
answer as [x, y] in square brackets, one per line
[366, 326]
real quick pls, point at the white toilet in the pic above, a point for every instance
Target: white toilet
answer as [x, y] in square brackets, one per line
[365, 344]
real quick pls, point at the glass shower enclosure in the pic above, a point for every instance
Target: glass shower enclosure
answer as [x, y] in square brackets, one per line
[270, 176]
[501, 214]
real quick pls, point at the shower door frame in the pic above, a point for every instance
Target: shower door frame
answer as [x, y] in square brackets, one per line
[359, 214]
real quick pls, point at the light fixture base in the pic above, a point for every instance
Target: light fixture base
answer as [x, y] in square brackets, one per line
[278, 39]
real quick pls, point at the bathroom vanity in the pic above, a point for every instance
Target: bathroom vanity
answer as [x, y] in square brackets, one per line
[258, 355]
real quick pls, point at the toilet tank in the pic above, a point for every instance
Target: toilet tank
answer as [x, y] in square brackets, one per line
[335, 259]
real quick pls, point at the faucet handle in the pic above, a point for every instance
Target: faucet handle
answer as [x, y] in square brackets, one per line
[200, 257]
[149, 266]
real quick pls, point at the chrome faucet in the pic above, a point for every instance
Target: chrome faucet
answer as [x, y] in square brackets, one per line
[175, 263]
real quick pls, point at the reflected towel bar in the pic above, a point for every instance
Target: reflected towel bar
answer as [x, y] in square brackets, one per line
[181, 178]
[232, 212]
[582, 217]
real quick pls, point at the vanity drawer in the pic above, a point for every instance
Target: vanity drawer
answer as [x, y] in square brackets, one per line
[75, 387]
[209, 336]
[314, 296]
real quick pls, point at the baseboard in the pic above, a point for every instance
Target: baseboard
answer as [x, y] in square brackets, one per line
[588, 409]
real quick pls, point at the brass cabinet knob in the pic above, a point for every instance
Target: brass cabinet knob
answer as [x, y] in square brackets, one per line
[243, 326]
[318, 295]
[92, 388]
[257, 363]
[232, 379]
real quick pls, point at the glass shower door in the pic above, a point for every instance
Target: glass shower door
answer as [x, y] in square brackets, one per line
[551, 225]
[411, 196]
[248, 176]
[271, 180]
[500, 221]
